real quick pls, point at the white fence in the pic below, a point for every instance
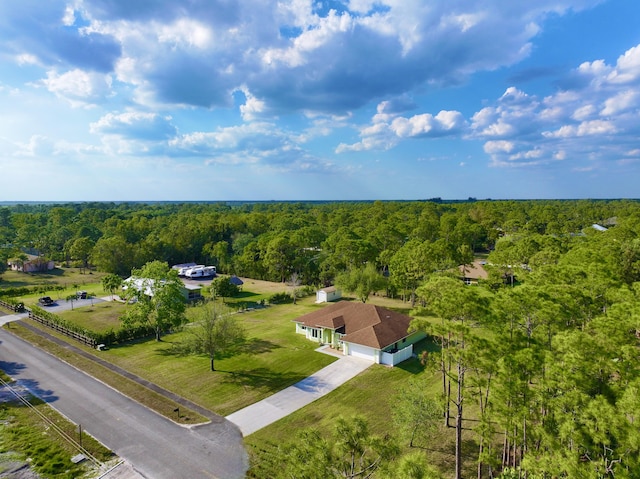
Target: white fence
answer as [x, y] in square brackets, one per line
[391, 359]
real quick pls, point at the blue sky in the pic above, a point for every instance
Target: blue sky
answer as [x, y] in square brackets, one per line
[328, 100]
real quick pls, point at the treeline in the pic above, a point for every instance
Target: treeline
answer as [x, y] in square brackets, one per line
[548, 364]
[275, 240]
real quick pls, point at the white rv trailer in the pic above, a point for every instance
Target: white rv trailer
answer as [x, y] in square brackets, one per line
[200, 272]
[183, 271]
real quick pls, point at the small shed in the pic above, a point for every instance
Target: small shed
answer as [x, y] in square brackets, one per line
[326, 295]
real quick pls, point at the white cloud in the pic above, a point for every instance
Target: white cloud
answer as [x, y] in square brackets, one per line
[80, 88]
[620, 102]
[38, 145]
[627, 68]
[69, 17]
[253, 108]
[297, 56]
[445, 122]
[186, 32]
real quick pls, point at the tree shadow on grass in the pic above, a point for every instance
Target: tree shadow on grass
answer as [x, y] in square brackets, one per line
[254, 346]
[262, 378]
[244, 295]
[251, 346]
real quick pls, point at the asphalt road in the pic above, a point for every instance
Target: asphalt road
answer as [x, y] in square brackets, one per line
[155, 446]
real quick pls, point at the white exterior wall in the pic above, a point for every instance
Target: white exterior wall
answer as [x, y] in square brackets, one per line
[323, 296]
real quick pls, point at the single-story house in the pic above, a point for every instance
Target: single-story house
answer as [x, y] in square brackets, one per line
[472, 273]
[32, 264]
[190, 292]
[361, 330]
[326, 295]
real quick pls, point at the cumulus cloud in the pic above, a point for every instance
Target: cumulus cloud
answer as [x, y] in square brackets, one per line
[596, 120]
[79, 87]
[258, 143]
[267, 61]
[570, 124]
[135, 125]
[292, 56]
[444, 123]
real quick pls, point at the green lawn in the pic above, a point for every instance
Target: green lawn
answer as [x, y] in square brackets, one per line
[100, 317]
[272, 358]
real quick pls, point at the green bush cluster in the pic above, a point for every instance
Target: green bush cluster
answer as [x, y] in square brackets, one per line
[123, 335]
[280, 298]
[24, 290]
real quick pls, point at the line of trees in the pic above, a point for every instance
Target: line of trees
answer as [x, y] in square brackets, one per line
[314, 241]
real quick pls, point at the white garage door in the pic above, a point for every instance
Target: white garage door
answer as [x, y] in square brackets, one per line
[359, 351]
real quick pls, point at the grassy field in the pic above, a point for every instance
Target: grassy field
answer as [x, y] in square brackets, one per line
[100, 317]
[272, 358]
[66, 277]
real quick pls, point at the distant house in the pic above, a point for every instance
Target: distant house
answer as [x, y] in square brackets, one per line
[326, 295]
[361, 330]
[472, 273]
[32, 264]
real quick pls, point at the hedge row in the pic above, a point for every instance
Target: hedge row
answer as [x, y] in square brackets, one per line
[24, 290]
[123, 334]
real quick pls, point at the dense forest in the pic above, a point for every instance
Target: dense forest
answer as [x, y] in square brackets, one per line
[543, 355]
[315, 241]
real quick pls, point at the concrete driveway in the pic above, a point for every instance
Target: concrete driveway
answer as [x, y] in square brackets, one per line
[283, 403]
[64, 305]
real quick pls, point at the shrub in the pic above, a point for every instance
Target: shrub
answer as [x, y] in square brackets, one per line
[281, 298]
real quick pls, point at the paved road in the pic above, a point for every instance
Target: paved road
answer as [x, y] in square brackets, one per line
[157, 447]
[283, 403]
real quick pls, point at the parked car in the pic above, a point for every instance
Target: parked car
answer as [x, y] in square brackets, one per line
[81, 295]
[45, 301]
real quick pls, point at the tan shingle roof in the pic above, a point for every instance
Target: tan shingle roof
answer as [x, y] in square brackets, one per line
[364, 324]
[474, 271]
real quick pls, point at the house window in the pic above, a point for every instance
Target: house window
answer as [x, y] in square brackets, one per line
[404, 340]
[315, 333]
